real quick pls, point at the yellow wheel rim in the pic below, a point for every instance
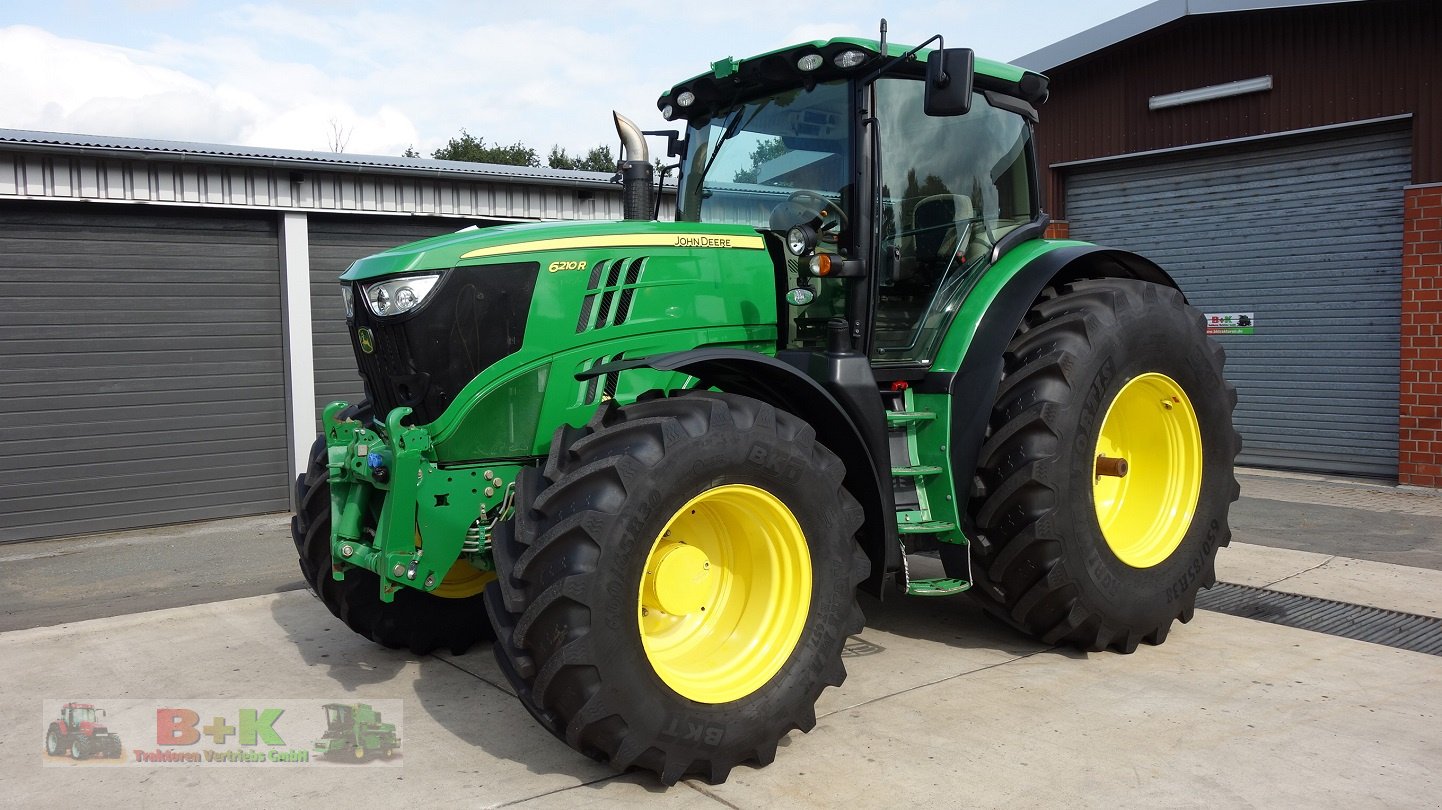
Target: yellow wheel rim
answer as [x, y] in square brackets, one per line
[1147, 470]
[725, 594]
[463, 580]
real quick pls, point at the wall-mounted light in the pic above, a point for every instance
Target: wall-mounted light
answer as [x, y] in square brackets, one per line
[1211, 93]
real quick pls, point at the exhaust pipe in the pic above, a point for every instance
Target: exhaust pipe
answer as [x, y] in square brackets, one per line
[638, 190]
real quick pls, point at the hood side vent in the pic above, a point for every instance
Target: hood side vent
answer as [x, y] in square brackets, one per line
[609, 304]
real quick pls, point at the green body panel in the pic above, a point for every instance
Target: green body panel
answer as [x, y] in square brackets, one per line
[446, 251]
[959, 334]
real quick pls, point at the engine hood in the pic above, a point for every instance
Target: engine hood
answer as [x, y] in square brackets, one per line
[485, 245]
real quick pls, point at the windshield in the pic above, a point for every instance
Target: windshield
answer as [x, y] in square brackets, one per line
[744, 162]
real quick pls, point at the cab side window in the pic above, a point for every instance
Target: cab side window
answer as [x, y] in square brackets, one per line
[950, 189]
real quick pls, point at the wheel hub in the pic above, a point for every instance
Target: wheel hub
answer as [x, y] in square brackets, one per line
[1148, 470]
[682, 582]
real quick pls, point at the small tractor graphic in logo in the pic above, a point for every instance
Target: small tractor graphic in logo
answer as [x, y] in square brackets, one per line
[79, 733]
[357, 733]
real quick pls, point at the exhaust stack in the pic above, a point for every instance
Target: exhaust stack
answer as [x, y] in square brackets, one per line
[638, 190]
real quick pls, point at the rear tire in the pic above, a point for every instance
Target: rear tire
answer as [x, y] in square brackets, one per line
[54, 744]
[415, 620]
[1048, 559]
[584, 565]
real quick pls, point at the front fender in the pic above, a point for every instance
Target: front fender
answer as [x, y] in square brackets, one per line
[784, 386]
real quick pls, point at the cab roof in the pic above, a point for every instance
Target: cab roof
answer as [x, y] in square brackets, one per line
[731, 79]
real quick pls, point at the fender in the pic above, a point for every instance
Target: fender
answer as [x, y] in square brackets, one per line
[786, 387]
[973, 386]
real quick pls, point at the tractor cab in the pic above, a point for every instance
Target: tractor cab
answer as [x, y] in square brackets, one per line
[338, 717]
[888, 205]
[76, 714]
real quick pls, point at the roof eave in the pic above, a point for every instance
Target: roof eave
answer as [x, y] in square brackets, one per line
[1142, 20]
[434, 169]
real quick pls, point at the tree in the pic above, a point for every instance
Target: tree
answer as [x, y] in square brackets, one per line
[597, 159]
[765, 152]
[338, 137]
[410, 152]
[468, 147]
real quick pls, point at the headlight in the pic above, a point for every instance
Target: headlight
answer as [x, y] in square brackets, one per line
[349, 300]
[399, 294]
[800, 240]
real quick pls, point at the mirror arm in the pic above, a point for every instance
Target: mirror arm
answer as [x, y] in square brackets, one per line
[886, 68]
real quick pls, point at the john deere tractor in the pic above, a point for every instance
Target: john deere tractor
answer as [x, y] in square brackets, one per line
[658, 458]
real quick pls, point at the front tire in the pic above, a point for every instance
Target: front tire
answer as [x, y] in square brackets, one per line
[54, 745]
[1103, 489]
[415, 620]
[677, 584]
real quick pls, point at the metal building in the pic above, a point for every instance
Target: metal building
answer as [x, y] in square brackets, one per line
[1278, 157]
[170, 320]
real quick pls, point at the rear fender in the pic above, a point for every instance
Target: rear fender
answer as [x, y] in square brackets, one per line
[973, 385]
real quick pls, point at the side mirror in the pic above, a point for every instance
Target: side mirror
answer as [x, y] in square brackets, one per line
[949, 73]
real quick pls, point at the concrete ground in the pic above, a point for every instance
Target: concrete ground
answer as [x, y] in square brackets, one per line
[941, 705]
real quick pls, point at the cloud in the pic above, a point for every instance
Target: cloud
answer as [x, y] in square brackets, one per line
[277, 74]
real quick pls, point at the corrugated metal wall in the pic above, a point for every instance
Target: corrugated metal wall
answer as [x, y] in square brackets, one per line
[143, 368]
[1330, 64]
[335, 242]
[1305, 235]
[61, 176]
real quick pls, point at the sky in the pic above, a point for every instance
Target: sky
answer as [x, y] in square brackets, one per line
[378, 77]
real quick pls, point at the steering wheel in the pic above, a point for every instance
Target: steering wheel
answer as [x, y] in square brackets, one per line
[804, 205]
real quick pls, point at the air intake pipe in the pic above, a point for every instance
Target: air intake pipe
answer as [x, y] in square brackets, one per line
[638, 189]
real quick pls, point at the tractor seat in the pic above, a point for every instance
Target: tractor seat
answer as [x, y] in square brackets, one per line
[936, 224]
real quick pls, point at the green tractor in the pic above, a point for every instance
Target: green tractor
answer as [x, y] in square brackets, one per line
[356, 732]
[663, 456]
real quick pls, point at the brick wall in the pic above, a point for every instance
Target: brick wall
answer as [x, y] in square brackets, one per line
[1420, 439]
[1058, 229]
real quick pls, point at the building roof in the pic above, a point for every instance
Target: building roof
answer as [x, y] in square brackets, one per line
[1152, 15]
[181, 151]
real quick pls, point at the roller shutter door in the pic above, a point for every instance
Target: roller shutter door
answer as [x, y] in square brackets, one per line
[1305, 235]
[143, 374]
[334, 243]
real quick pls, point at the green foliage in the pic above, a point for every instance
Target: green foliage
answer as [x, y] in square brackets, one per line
[765, 152]
[468, 147]
[410, 152]
[598, 159]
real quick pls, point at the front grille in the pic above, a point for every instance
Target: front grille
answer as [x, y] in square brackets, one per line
[474, 317]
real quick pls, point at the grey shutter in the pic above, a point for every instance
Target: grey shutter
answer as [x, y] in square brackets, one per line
[1308, 236]
[142, 377]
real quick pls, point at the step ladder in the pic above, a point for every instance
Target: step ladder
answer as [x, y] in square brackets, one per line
[914, 516]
